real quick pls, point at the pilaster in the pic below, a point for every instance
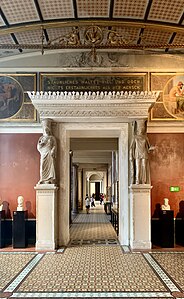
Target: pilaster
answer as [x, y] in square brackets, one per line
[46, 216]
[140, 216]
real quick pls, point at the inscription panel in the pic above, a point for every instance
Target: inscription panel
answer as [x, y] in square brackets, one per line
[93, 82]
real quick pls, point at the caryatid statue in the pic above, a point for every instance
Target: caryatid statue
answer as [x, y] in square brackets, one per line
[138, 155]
[48, 148]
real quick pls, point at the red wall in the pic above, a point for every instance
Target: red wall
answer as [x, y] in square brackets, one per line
[167, 169]
[19, 171]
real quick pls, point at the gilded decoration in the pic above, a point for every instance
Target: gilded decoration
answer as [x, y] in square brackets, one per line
[93, 82]
[170, 105]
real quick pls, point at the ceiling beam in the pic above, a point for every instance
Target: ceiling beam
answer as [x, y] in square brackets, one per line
[60, 24]
[41, 18]
[8, 25]
[111, 10]
[174, 33]
[75, 9]
[145, 19]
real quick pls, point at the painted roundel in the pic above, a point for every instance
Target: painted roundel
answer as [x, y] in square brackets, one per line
[173, 96]
[11, 97]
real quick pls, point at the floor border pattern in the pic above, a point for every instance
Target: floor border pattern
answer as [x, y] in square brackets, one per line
[12, 286]
[163, 276]
[94, 295]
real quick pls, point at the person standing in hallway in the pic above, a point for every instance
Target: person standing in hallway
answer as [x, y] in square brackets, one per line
[87, 203]
[92, 200]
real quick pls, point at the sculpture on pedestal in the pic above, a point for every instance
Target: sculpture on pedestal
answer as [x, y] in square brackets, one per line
[20, 201]
[138, 155]
[47, 147]
[165, 206]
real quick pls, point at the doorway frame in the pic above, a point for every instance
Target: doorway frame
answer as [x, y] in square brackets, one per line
[65, 131]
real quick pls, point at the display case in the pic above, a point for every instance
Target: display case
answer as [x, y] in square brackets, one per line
[167, 229]
[19, 229]
[2, 228]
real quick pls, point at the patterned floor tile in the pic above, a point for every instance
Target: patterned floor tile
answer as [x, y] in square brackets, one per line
[88, 231]
[92, 269]
[173, 264]
[11, 265]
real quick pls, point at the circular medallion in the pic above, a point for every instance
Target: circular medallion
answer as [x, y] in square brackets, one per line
[11, 97]
[173, 96]
[93, 35]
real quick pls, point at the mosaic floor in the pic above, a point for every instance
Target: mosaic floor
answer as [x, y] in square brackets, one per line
[93, 265]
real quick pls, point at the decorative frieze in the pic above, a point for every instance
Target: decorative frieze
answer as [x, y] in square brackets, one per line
[128, 105]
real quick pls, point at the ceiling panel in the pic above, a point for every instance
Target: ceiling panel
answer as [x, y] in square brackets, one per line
[93, 8]
[129, 33]
[29, 37]
[56, 33]
[54, 9]
[19, 11]
[6, 39]
[151, 36]
[130, 9]
[167, 10]
[179, 39]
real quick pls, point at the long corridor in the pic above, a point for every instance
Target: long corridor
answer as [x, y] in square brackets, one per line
[94, 264]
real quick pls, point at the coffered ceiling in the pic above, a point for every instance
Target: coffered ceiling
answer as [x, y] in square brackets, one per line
[39, 25]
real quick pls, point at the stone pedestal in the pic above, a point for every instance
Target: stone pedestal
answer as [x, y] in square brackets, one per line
[46, 217]
[140, 216]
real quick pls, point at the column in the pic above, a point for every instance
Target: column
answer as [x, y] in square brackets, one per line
[74, 189]
[140, 216]
[63, 183]
[80, 193]
[123, 187]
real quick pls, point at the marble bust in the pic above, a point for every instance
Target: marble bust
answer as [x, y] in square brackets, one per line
[20, 201]
[166, 205]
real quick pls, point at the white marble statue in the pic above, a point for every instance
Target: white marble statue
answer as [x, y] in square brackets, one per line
[166, 205]
[20, 201]
[139, 150]
[47, 148]
[1, 207]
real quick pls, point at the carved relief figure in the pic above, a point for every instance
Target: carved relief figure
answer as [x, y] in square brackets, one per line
[139, 150]
[47, 147]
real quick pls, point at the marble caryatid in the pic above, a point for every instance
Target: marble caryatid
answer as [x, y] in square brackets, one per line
[20, 200]
[166, 205]
[138, 155]
[47, 148]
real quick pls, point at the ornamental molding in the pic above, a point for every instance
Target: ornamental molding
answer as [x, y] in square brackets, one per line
[76, 106]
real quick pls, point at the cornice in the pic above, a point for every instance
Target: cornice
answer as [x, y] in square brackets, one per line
[84, 105]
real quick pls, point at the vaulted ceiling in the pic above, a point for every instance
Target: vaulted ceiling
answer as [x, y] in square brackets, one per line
[32, 25]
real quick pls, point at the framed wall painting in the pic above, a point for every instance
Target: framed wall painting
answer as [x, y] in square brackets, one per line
[170, 105]
[82, 82]
[15, 104]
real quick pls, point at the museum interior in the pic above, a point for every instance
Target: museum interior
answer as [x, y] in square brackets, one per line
[91, 148]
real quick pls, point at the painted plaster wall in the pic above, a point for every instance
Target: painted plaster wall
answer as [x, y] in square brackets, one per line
[167, 169]
[19, 164]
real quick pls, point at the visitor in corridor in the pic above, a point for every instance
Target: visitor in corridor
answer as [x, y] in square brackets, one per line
[87, 203]
[92, 200]
[101, 198]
